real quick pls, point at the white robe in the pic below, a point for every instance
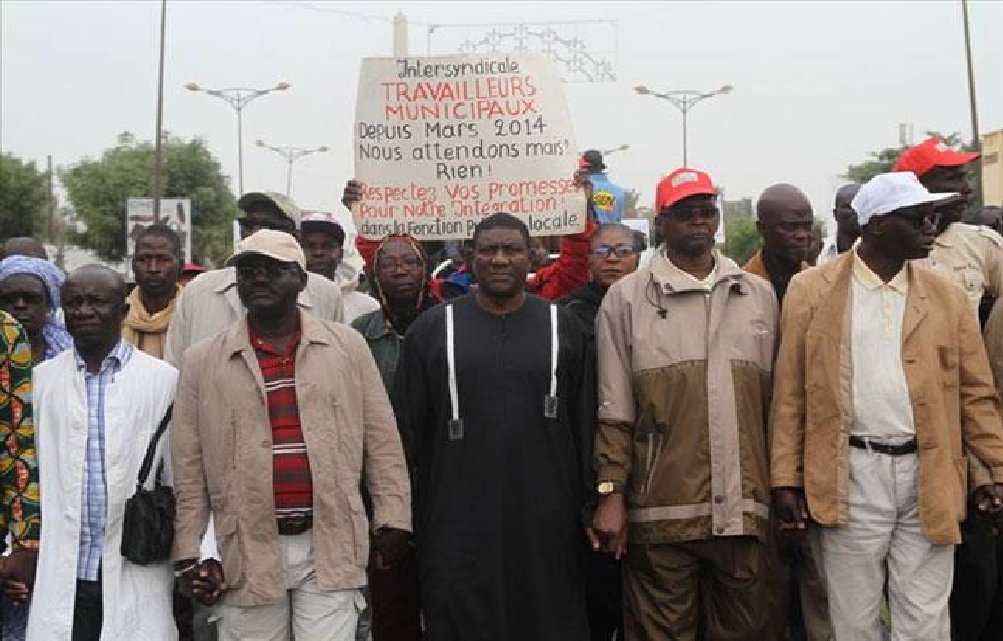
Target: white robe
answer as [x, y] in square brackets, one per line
[137, 599]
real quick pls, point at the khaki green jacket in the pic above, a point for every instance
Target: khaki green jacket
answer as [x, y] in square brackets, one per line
[684, 400]
[955, 405]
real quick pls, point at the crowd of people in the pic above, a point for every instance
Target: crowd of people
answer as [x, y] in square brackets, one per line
[624, 442]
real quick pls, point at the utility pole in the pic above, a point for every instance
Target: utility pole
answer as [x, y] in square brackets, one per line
[400, 35]
[158, 153]
[976, 140]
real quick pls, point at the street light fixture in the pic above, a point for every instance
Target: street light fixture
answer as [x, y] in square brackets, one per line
[291, 154]
[238, 98]
[683, 100]
[623, 147]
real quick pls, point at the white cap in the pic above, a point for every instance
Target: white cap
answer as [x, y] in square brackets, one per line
[889, 192]
[277, 245]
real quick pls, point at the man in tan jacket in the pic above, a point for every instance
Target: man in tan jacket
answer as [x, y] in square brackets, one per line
[881, 383]
[685, 349]
[277, 423]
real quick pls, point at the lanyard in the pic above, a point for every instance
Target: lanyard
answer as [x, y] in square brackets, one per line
[550, 404]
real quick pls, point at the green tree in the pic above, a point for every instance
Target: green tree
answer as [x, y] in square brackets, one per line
[23, 197]
[741, 240]
[98, 190]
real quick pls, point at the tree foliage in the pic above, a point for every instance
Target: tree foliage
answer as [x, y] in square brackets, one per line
[23, 197]
[741, 240]
[98, 190]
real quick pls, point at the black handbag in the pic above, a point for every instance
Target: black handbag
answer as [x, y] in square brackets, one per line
[148, 527]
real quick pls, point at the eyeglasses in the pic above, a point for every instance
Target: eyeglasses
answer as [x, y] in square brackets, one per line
[929, 218]
[275, 225]
[268, 270]
[686, 214]
[388, 263]
[620, 251]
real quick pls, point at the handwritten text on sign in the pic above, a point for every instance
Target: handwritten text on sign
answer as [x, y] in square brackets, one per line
[442, 142]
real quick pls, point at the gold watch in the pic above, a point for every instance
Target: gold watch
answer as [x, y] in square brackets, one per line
[605, 488]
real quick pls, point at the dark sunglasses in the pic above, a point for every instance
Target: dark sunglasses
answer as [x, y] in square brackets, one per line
[686, 214]
[620, 251]
[268, 270]
[250, 223]
[929, 218]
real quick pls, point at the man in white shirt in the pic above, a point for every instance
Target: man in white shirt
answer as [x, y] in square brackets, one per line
[881, 384]
[97, 407]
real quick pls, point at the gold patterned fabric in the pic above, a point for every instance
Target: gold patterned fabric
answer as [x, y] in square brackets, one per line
[19, 496]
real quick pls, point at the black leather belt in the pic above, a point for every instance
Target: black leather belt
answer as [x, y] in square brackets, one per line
[909, 447]
[293, 525]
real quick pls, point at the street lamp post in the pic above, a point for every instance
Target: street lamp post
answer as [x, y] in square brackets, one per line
[238, 98]
[291, 154]
[684, 100]
[623, 147]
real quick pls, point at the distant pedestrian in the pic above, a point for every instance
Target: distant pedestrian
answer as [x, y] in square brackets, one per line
[156, 264]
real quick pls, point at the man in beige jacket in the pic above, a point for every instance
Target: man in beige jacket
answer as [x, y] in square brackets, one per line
[881, 384]
[685, 349]
[278, 421]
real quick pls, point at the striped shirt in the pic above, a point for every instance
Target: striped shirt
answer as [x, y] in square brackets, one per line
[291, 478]
[94, 506]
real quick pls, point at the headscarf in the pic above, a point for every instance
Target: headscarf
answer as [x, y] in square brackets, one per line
[425, 299]
[57, 339]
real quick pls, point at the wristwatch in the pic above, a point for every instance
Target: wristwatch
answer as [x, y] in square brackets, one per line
[605, 488]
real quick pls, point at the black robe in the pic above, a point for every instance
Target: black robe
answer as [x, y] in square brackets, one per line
[498, 512]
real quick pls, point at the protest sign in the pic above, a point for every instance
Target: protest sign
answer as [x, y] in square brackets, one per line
[176, 213]
[441, 142]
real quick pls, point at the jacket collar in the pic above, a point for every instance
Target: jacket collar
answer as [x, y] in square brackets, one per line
[673, 280]
[376, 326]
[833, 309]
[237, 339]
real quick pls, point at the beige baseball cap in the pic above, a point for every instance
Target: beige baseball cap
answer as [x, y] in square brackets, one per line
[277, 245]
[284, 204]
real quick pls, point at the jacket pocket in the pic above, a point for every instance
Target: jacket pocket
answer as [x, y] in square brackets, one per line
[231, 551]
[360, 529]
[949, 374]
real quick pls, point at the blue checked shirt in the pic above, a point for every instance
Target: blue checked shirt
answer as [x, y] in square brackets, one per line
[94, 506]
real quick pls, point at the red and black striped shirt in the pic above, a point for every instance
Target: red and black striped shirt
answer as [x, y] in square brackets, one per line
[291, 478]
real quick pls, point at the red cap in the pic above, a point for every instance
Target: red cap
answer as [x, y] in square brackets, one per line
[192, 268]
[931, 153]
[682, 183]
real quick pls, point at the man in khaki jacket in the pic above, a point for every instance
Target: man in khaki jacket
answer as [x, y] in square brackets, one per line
[881, 383]
[277, 422]
[685, 350]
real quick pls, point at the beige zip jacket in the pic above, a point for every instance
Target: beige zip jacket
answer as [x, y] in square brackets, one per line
[222, 454]
[684, 389]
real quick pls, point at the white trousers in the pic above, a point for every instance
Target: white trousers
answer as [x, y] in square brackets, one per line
[307, 614]
[883, 543]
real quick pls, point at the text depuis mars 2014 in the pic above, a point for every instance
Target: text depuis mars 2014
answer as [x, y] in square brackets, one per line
[417, 68]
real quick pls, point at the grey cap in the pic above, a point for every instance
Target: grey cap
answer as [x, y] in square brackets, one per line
[280, 201]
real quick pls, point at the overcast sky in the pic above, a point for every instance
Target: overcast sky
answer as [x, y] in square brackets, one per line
[817, 84]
